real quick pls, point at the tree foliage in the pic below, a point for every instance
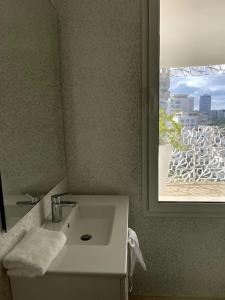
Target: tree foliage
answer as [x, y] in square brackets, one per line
[169, 130]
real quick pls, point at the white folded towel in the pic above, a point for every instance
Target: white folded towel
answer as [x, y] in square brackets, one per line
[32, 256]
[135, 252]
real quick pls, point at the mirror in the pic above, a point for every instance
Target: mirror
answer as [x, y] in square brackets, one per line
[32, 157]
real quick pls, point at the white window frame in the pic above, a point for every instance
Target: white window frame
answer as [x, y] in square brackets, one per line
[150, 105]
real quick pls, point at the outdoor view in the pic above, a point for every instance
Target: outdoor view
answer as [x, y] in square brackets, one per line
[192, 133]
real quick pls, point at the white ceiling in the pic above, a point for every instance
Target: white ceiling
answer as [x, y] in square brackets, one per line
[192, 32]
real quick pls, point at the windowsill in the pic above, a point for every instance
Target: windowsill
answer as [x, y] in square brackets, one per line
[194, 192]
[189, 199]
[181, 200]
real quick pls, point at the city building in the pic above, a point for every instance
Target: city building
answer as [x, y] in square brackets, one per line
[213, 114]
[181, 103]
[221, 114]
[164, 84]
[216, 117]
[188, 120]
[164, 93]
[163, 104]
[205, 103]
[203, 118]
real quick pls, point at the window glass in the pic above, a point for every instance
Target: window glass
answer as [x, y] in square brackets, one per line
[192, 101]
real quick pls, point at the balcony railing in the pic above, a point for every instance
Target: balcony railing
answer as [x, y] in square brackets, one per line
[203, 157]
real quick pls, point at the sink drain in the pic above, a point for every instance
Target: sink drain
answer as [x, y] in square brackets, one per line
[86, 237]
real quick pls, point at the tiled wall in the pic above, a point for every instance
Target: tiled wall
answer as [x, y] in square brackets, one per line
[101, 55]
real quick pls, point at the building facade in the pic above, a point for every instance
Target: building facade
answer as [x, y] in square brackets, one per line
[181, 103]
[205, 103]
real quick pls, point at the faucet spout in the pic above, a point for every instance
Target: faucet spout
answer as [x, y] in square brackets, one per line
[57, 204]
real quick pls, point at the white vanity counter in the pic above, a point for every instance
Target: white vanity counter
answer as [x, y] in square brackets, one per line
[106, 219]
[85, 270]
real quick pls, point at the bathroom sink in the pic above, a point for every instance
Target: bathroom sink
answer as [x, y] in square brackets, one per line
[96, 230]
[93, 263]
[90, 225]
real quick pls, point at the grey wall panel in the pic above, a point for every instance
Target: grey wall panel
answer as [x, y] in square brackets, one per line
[101, 56]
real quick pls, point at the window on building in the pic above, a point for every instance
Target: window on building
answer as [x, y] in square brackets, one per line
[190, 99]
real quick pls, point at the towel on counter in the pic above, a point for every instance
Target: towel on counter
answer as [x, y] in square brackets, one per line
[32, 256]
[135, 252]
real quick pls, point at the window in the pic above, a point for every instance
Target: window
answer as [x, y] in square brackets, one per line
[183, 107]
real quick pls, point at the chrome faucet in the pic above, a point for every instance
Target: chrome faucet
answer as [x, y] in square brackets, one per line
[57, 204]
[34, 199]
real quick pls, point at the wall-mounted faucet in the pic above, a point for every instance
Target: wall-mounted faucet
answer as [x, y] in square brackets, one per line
[57, 204]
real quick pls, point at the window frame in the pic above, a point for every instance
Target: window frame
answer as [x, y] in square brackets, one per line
[150, 16]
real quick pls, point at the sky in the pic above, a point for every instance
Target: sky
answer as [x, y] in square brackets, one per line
[196, 86]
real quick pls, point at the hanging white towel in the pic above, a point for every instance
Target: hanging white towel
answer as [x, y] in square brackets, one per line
[135, 252]
[34, 253]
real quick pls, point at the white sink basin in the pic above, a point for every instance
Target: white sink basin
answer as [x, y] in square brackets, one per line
[103, 221]
[90, 225]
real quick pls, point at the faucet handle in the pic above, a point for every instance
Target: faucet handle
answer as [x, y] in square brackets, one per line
[34, 198]
[68, 203]
[57, 197]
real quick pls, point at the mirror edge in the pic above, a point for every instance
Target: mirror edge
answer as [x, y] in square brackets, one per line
[2, 208]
